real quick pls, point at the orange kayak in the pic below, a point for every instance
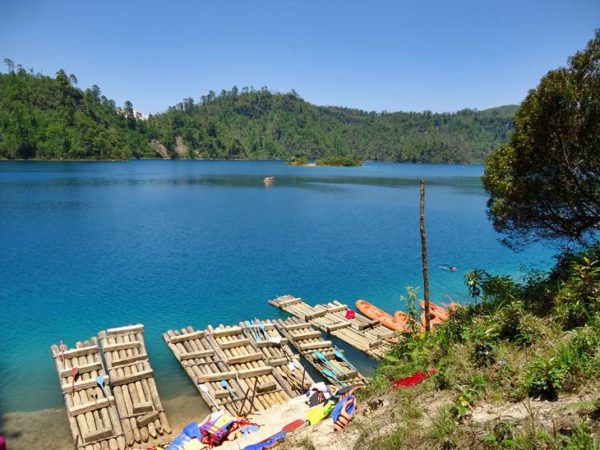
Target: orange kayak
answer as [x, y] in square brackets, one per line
[400, 316]
[397, 323]
[437, 314]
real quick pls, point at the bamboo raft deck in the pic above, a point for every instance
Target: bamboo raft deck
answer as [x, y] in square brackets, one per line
[256, 373]
[253, 372]
[308, 341]
[93, 418]
[206, 369]
[362, 333]
[278, 354]
[136, 397]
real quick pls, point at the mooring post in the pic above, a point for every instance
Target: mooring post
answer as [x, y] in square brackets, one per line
[424, 257]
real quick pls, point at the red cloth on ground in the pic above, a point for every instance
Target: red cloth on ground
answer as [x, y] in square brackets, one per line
[350, 314]
[414, 379]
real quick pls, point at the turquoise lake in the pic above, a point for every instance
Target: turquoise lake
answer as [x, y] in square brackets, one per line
[86, 246]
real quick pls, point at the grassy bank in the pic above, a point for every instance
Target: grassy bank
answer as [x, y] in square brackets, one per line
[516, 369]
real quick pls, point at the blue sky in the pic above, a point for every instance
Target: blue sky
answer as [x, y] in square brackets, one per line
[376, 55]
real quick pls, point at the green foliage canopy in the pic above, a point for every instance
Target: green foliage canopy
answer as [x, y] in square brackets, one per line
[545, 183]
[51, 118]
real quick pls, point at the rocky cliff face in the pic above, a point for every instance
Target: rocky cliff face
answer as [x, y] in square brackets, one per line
[160, 149]
[180, 148]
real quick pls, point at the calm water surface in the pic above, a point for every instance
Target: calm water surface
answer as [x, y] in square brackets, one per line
[86, 246]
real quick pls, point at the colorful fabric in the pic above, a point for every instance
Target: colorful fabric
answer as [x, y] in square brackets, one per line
[216, 427]
[343, 412]
[318, 413]
[347, 403]
[350, 314]
[414, 379]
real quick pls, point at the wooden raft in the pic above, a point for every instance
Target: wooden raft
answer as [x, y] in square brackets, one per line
[207, 369]
[361, 333]
[264, 337]
[259, 383]
[93, 418]
[131, 376]
[307, 341]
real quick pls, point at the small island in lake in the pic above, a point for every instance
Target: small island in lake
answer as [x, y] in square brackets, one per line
[344, 161]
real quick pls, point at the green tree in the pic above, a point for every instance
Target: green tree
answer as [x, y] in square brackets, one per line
[545, 183]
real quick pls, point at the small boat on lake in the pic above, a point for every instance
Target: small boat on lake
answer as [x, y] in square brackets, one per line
[268, 181]
[399, 322]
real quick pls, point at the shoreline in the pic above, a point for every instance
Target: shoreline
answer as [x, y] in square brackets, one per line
[473, 163]
[51, 426]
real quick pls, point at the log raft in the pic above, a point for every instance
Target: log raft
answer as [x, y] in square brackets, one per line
[93, 417]
[265, 338]
[360, 332]
[310, 344]
[206, 368]
[261, 385]
[132, 379]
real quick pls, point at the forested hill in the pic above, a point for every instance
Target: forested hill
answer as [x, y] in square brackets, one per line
[51, 118]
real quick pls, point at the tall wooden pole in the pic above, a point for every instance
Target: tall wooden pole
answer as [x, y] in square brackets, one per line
[424, 257]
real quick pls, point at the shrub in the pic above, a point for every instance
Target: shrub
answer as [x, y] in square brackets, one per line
[543, 378]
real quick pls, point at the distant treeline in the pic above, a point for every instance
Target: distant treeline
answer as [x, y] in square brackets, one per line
[51, 118]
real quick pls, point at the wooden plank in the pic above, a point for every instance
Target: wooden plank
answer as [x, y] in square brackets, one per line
[82, 369]
[129, 360]
[198, 354]
[314, 345]
[215, 376]
[148, 373]
[295, 326]
[97, 435]
[82, 384]
[338, 326]
[186, 337]
[91, 406]
[82, 351]
[142, 407]
[255, 356]
[276, 362]
[120, 346]
[314, 315]
[255, 372]
[124, 330]
[142, 421]
[307, 335]
[231, 331]
[282, 342]
[236, 343]
[337, 308]
[266, 387]
[370, 324]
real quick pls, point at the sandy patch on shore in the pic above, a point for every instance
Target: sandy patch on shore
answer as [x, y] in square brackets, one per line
[49, 428]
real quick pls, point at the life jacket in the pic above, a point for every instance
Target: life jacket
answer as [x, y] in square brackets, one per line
[343, 412]
[215, 429]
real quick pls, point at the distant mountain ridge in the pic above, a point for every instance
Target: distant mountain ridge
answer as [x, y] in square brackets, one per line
[50, 118]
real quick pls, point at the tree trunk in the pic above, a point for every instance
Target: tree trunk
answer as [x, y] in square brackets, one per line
[424, 257]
